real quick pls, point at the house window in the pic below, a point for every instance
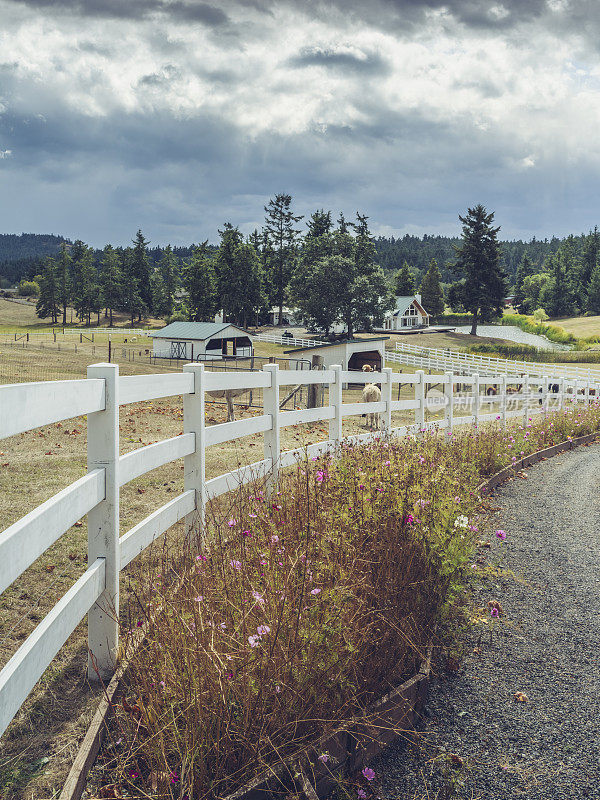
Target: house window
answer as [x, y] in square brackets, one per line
[178, 350]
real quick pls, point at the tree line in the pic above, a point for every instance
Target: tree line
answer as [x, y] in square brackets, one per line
[330, 274]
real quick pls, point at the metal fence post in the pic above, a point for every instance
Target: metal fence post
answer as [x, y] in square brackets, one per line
[335, 400]
[194, 465]
[271, 438]
[420, 398]
[449, 407]
[386, 396]
[103, 525]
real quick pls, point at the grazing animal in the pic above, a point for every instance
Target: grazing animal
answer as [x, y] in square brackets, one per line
[371, 394]
[228, 394]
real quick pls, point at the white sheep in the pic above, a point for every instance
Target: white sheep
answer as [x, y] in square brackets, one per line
[371, 394]
[228, 394]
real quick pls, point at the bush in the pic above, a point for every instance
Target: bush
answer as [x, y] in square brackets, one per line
[28, 289]
[551, 332]
[307, 605]
[177, 317]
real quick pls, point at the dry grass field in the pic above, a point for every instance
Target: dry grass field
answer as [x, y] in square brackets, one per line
[582, 327]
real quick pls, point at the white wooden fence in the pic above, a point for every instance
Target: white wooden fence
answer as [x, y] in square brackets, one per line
[26, 406]
[469, 363]
[291, 341]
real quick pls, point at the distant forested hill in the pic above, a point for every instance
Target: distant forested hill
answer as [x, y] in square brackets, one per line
[21, 253]
[418, 252]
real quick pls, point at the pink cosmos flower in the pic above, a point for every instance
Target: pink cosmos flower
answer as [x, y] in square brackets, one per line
[501, 535]
[323, 758]
[262, 630]
[494, 612]
[361, 794]
[315, 591]
[254, 641]
[368, 773]
[236, 564]
[258, 598]
[274, 539]
[199, 598]
[231, 523]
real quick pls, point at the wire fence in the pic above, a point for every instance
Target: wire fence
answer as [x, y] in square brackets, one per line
[24, 360]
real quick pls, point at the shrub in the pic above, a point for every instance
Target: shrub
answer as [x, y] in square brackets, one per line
[28, 289]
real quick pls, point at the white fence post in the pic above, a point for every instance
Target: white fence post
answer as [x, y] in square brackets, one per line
[103, 525]
[503, 401]
[476, 399]
[194, 465]
[420, 398]
[386, 396]
[525, 393]
[335, 400]
[545, 394]
[587, 388]
[561, 393]
[449, 407]
[271, 438]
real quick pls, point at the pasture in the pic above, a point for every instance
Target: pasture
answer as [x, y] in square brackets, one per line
[581, 327]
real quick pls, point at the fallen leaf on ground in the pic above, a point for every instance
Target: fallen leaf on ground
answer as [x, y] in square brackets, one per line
[520, 697]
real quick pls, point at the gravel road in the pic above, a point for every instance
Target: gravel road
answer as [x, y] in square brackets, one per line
[546, 645]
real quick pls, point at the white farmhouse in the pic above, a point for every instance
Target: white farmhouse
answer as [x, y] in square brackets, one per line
[409, 313]
[201, 341]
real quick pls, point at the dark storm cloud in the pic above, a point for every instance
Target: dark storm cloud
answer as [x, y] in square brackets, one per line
[347, 62]
[133, 9]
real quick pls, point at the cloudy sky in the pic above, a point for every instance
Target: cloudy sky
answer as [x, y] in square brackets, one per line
[177, 115]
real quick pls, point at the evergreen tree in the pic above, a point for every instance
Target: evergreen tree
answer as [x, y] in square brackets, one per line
[432, 294]
[404, 281]
[225, 261]
[111, 281]
[590, 256]
[48, 302]
[240, 277]
[139, 270]
[558, 296]
[593, 295]
[200, 284]
[524, 269]
[279, 224]
[131, 297]
[77, 289]
[63, 274]
[319, 224]
[169, 274]
[478, 260]
[87, 298]
[315, 290]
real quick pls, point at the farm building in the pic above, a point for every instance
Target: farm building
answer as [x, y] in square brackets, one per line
[201, 341]
[290, 316]
[351, 354]
[409, 313]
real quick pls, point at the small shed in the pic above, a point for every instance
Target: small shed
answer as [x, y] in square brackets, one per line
[350, 353]
[201, 341]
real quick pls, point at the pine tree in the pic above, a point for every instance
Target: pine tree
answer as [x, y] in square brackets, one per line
[87, 299]
[225, 262]
[78, 251]
[48, 301]
[63, 274]
[478, 260]
[279, 224]
[558, 296]
[524, 269]
[168, 270]
[319, 224]
[111, 281]
[404, 281]
[432, 294]
[200, 284]
[131, 297]
[593, 295]
[590, 256]
[139, 269]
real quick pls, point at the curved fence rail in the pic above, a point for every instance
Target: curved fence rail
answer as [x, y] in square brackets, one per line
[469, 363]
[463, 399]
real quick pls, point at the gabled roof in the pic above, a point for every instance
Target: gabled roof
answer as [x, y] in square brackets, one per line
[404, 303]
[194, 330]
[334, 344]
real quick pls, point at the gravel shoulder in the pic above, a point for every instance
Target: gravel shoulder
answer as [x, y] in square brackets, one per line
[546, 645]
